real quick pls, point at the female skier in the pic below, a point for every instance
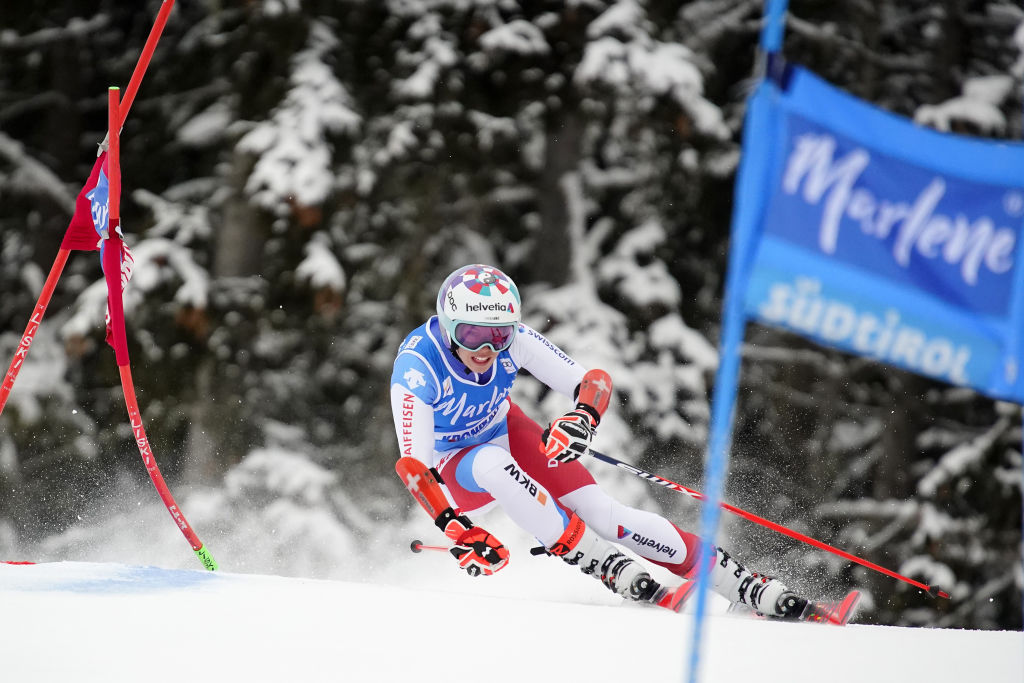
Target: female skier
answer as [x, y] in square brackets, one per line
[465, 446]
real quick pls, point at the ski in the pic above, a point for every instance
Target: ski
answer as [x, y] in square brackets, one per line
[839, 613]
[673, 598]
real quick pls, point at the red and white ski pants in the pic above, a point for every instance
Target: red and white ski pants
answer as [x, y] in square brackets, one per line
[512, 471]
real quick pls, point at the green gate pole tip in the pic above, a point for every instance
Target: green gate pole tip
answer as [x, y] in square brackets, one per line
[207, 559]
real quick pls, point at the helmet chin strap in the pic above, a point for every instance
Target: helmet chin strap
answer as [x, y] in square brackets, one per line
[454, 348]
[455, 352]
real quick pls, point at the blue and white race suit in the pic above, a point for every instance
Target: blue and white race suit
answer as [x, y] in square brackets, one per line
[465, 408]
[458, 421]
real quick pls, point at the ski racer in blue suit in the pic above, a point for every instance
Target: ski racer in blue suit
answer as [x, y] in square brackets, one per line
[466, 447]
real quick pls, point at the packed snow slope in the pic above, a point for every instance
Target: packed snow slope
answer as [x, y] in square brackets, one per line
[84, 621]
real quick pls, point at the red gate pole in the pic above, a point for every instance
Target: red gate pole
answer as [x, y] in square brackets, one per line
[112, 250]
[21, 353]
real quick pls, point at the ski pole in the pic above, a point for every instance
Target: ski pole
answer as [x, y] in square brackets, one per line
[418, 547]
[933, 591]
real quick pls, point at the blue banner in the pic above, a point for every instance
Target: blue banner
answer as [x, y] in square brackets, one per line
[885, 239]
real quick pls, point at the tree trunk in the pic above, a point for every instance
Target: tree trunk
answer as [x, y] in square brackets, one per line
[214, 425]
[551, 263]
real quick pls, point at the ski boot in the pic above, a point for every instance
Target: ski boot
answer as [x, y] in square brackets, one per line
[581, 547]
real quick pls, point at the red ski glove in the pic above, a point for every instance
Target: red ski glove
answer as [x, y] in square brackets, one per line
[476, 550]
[479, 553]
[568, 437]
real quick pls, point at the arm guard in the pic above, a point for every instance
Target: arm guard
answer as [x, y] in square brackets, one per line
[594, 394]
[425, 486]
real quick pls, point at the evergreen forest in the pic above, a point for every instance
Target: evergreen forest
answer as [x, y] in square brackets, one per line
[300, 175]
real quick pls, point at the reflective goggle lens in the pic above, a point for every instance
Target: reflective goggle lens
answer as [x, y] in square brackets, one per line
[475, 337]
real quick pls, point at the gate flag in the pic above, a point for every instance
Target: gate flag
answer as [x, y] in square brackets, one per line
[862, 231]
[85, 231]
[885, 239]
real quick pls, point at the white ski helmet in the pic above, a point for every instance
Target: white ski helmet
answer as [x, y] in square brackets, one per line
[478, 306]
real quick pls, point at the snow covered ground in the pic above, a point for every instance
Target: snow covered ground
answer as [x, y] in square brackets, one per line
[121, 598]
[111, 622]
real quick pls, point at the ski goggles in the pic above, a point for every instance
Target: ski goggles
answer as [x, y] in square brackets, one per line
[475, 337]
